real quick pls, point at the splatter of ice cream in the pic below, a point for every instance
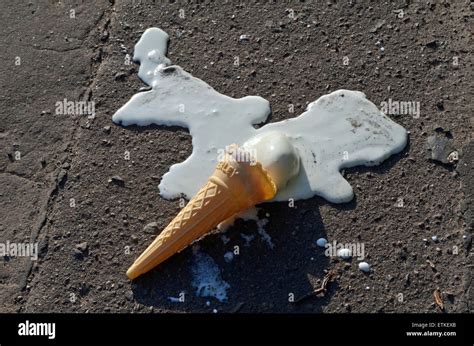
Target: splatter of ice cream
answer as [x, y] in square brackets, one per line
[207, 277]
[339, 130]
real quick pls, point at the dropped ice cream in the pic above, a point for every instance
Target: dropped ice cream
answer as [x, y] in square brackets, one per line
[339, 130]
[291, 159]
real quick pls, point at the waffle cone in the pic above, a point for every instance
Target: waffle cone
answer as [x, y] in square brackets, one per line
[233, 187]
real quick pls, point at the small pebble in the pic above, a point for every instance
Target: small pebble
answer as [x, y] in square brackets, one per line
[244, 37]
[214, 311]
[453, 157]
[116, 179]
[364, 266]
[120, 76]
[321, 242]
[82, 247]
[151, 228]
[228, 256]
[434, 238]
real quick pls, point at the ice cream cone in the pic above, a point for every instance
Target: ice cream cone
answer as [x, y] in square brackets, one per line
[234, 186]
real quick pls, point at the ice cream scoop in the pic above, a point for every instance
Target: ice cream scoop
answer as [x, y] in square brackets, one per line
[277, 156]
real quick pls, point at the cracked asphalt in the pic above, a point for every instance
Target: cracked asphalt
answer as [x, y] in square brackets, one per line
[55, 168]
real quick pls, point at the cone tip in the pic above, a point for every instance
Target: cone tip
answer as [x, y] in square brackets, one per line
[133, 272]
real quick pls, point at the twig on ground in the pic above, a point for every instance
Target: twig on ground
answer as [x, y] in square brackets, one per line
[438, 299]
[321, 290]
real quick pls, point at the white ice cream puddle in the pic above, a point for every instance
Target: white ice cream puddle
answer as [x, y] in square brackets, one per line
[207, 277]
[339, 130]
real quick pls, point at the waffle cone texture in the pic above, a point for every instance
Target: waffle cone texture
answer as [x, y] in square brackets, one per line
[233, 187]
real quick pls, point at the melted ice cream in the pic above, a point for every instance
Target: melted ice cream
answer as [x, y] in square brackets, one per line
[277, 156]
[207, 277]
[338, 130]
[152, 54]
